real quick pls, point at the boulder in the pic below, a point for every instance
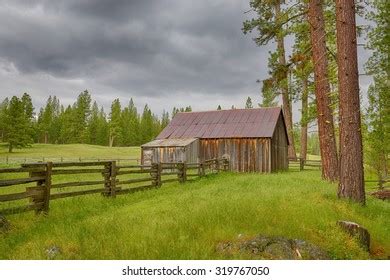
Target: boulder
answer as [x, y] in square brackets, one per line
[273, 247]
[357, 231]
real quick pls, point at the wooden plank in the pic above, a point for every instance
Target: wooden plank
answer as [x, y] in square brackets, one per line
[131, 172]
[135, 171]
[137, 189]
[192, 167]
[169, 180]
[133, 166]
[131, 181]
[76, 171]
[20, 209]
[66, 164]
[12, 182]
[77, 184]
[78, 193]
[20, 169]
[170, 173]
[14, 196]
[192, 175]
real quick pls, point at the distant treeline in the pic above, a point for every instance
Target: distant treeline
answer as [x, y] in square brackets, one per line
[82, 122]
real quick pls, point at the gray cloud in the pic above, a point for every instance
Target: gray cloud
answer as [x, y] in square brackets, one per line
[164, 52]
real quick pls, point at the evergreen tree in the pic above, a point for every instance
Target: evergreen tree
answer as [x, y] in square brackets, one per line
[82, 112]
[248, 104]
[147, 125]
[219, 108]
[164, 119]
[271, 23]
[115, 123]
[351, 184]
[3, 119]
[378, 113]
[18, 123]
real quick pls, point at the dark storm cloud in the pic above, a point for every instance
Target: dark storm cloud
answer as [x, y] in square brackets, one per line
[163, 52]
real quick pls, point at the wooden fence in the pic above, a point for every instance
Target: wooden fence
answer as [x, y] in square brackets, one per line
[110, 179]
[19, 160]
[302, 164]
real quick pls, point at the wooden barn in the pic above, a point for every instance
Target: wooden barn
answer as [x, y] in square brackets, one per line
[254, 140]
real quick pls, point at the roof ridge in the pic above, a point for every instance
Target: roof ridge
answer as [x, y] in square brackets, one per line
[237, 109]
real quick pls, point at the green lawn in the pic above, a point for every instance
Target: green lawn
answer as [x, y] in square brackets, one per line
[187, 221]
[68, 152]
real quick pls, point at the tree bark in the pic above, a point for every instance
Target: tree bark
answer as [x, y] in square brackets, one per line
[351, 183]
[303, 152]
[285, 96]
[330, 170]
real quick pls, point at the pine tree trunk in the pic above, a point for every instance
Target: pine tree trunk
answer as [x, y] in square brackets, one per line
[303, 152]
[111, 141]
[351, 151]
[285, 96]
[330, 170]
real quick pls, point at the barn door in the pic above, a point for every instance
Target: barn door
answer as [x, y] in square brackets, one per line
[148, 157]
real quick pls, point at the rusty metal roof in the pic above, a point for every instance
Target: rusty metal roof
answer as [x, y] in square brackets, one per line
[170, 142]
[235, 123]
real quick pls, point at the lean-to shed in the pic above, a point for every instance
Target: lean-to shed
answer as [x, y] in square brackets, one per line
[170, 150]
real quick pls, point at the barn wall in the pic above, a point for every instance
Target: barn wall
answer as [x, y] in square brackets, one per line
[187, 153]
[279, 147]
[246, 154]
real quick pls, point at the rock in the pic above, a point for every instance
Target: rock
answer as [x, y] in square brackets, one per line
[305, 250]
[4, 224]
[270, 247]
[356, 230]
[280, 250]
[52, 252]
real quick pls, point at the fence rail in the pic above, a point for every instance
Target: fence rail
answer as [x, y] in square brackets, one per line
[19, 160]
[46, 181]
[302, 163]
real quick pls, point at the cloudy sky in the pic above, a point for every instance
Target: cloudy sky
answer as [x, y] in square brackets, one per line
[162, 52]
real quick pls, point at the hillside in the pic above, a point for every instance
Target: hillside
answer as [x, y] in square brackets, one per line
[188, 221]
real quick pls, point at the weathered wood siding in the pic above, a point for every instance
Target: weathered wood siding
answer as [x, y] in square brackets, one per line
[245, 154]
[187, 153]
[279, 147]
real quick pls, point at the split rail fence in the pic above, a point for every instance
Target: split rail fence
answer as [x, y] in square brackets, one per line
[302, 164]
[42, 182]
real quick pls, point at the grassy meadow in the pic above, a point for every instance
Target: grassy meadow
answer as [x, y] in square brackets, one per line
[38, 152]
[187, 221]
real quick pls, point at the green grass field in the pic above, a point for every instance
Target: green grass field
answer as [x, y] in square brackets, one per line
[70, 152]
[188, 221]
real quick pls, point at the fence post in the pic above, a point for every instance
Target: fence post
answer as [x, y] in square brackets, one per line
[156, 174]
[181, 172]
[7, 159]
[41, 193]
[225, 164]
[217, 164]
[107, 177]
[113, 179]
[301, 164]
[201, 169]
[46, 197]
